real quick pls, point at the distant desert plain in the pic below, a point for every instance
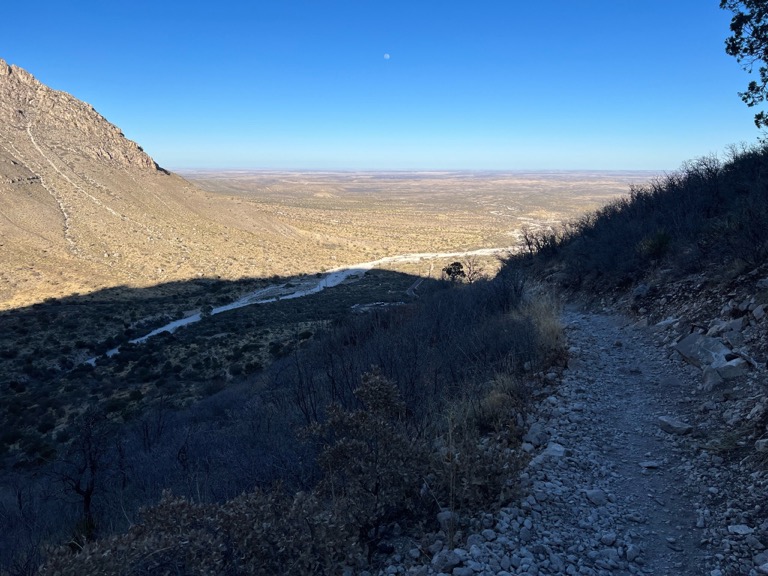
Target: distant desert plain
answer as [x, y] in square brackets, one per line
[349, 217]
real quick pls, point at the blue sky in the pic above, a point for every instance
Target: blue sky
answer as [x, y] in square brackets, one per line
[500, 84]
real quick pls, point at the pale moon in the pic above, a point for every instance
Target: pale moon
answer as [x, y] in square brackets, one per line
[386, 56]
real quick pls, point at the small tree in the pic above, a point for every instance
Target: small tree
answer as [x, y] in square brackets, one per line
[748, 43]
[474, 269]
[454, 272]
[528, 240]
[84, 466]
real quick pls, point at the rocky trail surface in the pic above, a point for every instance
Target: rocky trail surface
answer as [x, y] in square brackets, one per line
[622, 479]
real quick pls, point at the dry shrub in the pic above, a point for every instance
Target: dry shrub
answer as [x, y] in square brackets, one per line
[379, 467]
[474, 472]
[542, 308]
[655, 245]
[477, 458]
[500, 407]
[256, 533]
[492, 407]
[374, 469]
[374, 462]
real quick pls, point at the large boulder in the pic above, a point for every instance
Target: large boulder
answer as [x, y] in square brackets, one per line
[712, 356]
[702, 351]
[730, 369]
[718, 327]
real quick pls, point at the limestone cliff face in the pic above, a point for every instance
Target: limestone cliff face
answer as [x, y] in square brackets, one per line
[60, 121]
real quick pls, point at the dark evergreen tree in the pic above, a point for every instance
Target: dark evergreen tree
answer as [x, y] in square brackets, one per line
[748, 43]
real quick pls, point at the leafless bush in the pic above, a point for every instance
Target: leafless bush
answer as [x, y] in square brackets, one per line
[376, 471]
[474, 269]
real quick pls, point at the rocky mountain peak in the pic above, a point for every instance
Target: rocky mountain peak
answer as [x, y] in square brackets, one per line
[22, 75]
[83, 206]
[58, 121]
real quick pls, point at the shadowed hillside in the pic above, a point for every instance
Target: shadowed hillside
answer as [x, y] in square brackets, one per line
[690, 249]
[366, 413]
[709, 216]
[45, 379]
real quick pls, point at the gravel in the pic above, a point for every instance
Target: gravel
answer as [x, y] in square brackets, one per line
[620, 479]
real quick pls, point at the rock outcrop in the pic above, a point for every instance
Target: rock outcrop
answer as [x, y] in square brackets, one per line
[61, 121]
[717, 361]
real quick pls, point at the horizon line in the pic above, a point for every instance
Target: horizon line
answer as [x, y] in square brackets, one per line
[414, 170]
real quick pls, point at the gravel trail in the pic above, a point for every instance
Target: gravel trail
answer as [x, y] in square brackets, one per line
[627, 502]
[608, 491]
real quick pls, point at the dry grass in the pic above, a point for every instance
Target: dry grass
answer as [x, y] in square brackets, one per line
[543, 307]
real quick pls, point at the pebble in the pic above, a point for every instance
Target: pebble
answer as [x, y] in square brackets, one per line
[597, 497]
[741, 529]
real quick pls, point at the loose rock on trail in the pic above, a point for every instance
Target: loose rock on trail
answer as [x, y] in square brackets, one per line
[625, 503]
[619, 480]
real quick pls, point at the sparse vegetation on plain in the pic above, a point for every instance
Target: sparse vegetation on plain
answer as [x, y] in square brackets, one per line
[364, 216]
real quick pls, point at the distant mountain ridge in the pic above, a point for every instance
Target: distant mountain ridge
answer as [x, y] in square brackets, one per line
[82, 207]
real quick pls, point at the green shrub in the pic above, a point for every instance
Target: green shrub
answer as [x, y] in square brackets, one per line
[374, 463]
[115, 405]
[655, 246]
[10, 437]
[252, 367]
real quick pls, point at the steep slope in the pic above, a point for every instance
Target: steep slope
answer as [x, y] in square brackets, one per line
[82, 207]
